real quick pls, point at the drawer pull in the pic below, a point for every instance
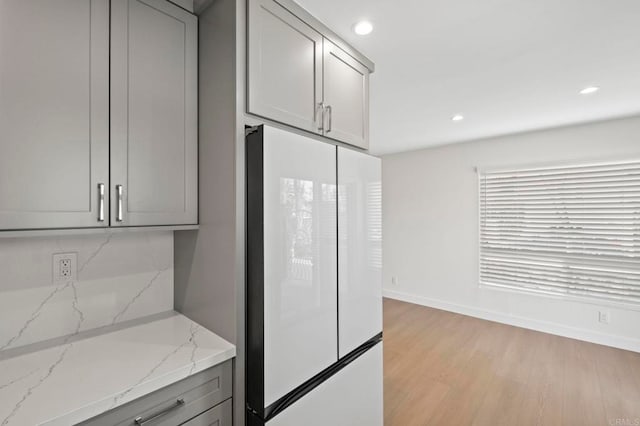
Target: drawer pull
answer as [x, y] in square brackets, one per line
[141, 421]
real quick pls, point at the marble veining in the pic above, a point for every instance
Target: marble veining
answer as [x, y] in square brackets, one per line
[33, 316]
[93, 255]
[17, 379]
[65, 348]
[193, 328]
[31, 389]
[80, 379]
[194, 344]
[138, 295]
[120, 277]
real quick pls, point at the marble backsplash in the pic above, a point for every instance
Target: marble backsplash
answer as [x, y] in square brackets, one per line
[120, 277]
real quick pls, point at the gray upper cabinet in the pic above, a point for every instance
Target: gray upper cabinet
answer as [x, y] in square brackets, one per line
[284, 66]
[346, 97]
[298, 76]
[68, 160]
[154, 145]
[54, 113]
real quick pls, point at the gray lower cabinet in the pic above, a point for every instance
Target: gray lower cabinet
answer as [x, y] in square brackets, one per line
[217, 416]
[202, 399]
[54, 113]
[300, 77]
[154, 133]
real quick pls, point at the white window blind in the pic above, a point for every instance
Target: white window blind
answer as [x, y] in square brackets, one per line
[571, 230]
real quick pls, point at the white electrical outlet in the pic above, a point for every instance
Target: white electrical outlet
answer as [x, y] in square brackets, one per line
[394, 280]
[604, 317]
[65, 267]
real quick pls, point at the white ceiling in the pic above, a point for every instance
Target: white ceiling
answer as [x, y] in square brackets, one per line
[507, 65]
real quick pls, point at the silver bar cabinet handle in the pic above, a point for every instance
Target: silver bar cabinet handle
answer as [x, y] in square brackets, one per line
[101, 202]
[329, 111]
[119, 201]
[141, 420]
[320, 111]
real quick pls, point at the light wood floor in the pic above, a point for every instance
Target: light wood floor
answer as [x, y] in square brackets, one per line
[448, 369]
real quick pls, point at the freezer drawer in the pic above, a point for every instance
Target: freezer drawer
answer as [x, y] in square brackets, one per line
[352, 397]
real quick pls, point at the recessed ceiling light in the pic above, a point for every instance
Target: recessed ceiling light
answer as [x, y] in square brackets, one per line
[457, 117]
[589, 90]
[363, 28]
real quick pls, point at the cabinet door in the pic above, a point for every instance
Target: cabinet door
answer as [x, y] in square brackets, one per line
[359, 249]
[217, 416]
[54, 112]
[153, 114]
[284, 67]
[346, 96]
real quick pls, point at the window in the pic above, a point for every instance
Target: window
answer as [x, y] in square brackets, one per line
[571, 230]
[374, 223]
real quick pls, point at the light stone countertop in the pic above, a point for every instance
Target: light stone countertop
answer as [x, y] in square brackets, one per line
[79, 379]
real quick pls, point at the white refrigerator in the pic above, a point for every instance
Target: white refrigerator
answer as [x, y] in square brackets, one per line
[314, 293]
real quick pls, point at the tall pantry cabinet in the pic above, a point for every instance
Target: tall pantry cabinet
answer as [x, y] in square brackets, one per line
[89, 142]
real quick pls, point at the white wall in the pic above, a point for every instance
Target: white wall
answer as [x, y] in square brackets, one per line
[430, 222]
[121, 277]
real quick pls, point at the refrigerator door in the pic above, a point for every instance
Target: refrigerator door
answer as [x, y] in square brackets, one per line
[352, 397]
[300, 260]
[360, 249]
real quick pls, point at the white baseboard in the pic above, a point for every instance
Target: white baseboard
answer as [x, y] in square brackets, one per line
[532, 324]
